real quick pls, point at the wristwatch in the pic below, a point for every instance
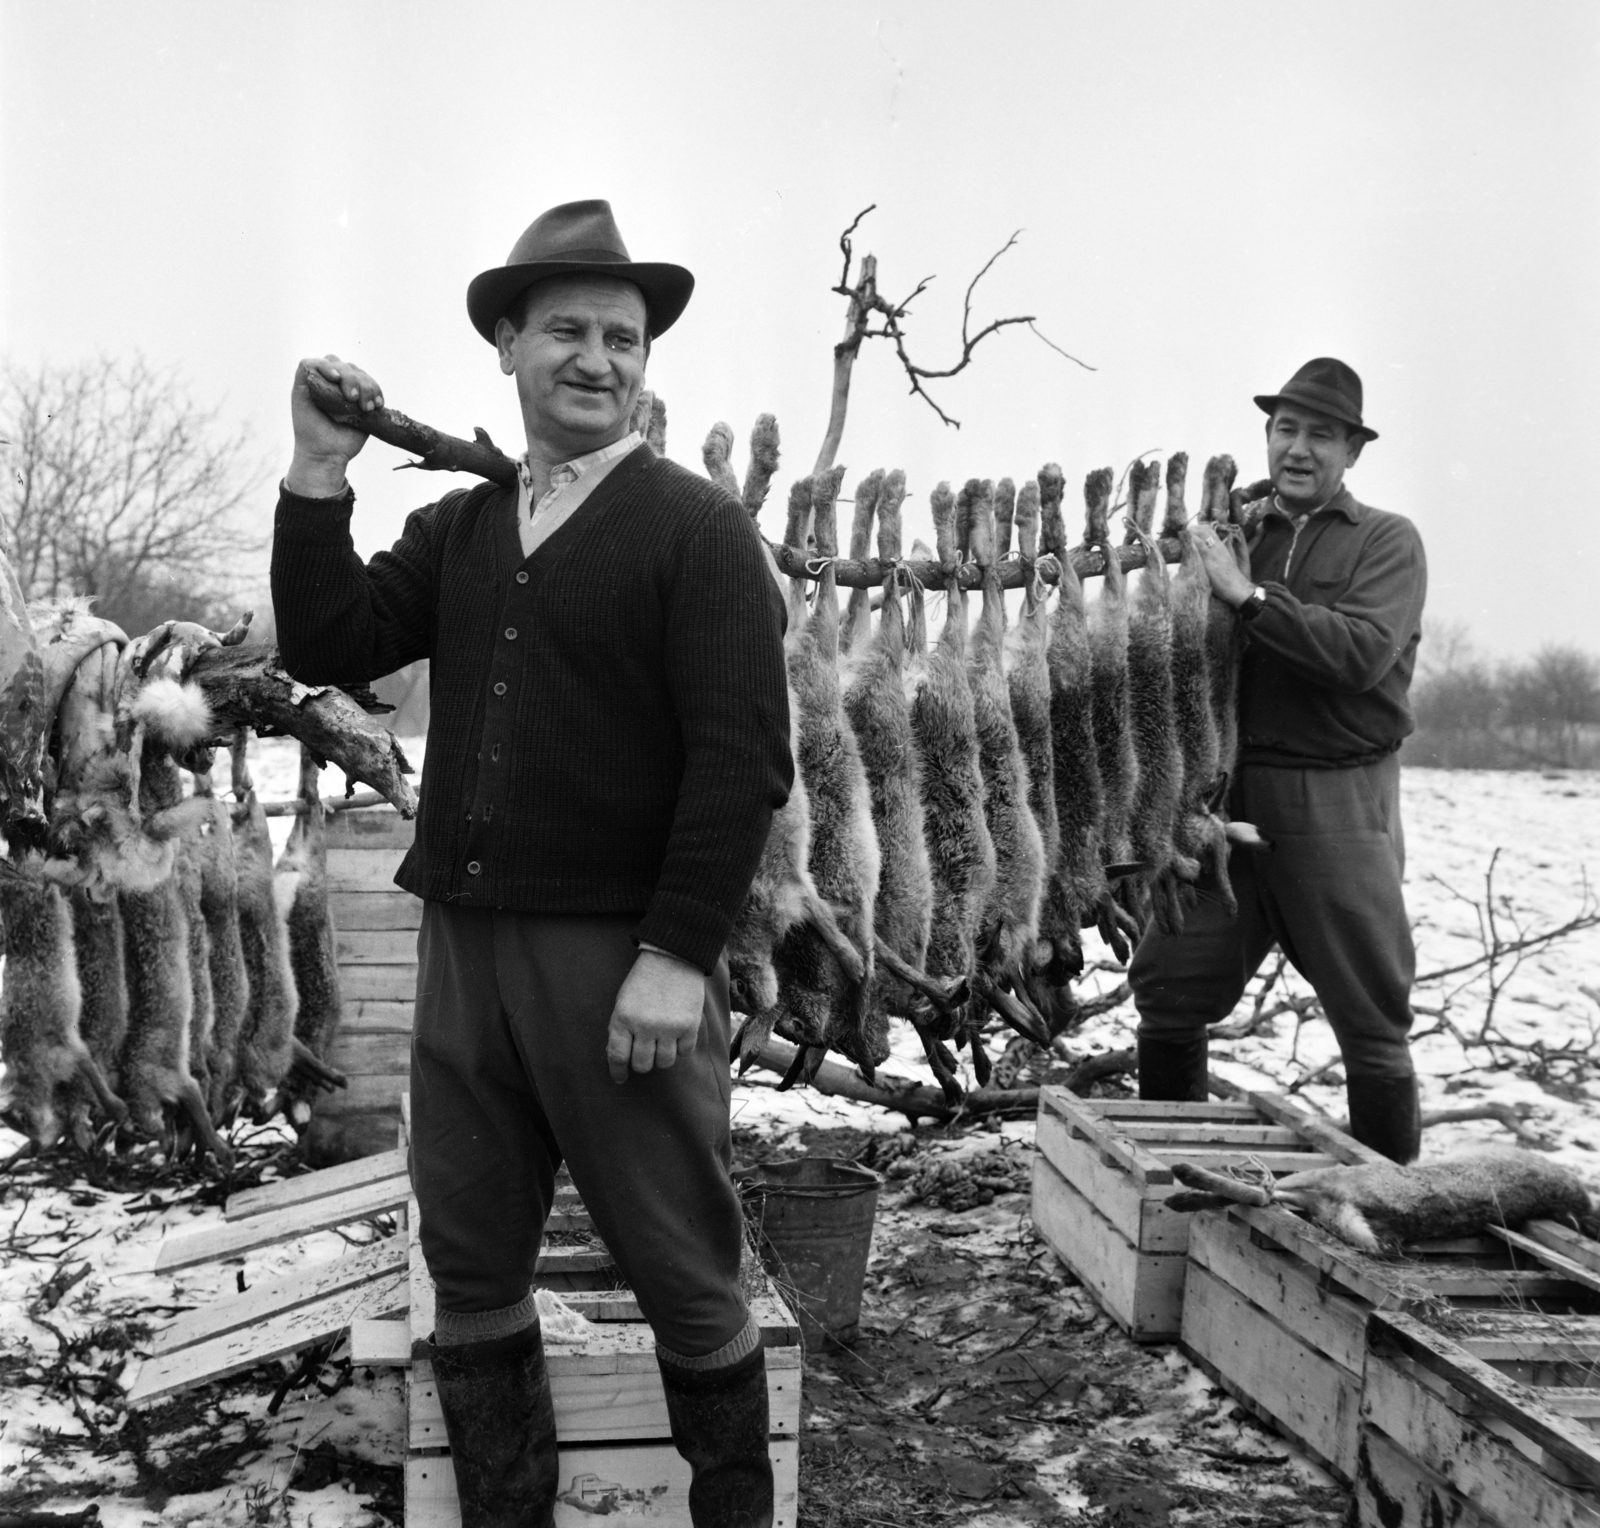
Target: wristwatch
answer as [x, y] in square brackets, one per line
[1254, 603]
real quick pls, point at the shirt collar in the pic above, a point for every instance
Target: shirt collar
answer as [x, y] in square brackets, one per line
[1342, 503]
[570, 471]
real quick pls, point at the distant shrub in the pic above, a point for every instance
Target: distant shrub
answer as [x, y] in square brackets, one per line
[1540, 713]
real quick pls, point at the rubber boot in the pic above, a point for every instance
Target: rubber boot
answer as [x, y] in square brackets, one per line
[720, 1426]
[502, 1429]
[1174, 1069]
[1386, 1115]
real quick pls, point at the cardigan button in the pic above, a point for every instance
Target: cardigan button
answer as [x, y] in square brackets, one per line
[473, 867]
[511, 634]
[522, 578]
[500, 687]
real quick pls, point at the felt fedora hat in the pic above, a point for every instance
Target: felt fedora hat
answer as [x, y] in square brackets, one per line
[1325, 386]
[576, 237]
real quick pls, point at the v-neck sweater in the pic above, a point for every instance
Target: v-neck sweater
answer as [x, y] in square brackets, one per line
[609, 728]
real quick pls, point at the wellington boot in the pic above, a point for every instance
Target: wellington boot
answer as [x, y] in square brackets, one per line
[1174, 1069]
[1386, 1115]
[720, 1426]
[498, 1415]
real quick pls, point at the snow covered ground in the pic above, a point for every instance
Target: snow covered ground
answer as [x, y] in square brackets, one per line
[220, 1459]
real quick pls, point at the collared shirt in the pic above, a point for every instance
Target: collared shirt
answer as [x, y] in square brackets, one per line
[570, 484]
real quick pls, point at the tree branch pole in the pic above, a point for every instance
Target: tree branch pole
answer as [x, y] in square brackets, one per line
[1087, 562]
[436, 452]
[439, 452]
[863, 299]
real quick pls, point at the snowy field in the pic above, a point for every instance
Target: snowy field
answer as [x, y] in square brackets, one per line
[77, 1295]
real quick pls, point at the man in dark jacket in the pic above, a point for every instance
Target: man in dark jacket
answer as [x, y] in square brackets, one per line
[1332, 610]
[608, 741]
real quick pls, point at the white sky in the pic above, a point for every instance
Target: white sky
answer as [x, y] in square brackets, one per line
[1211, 194]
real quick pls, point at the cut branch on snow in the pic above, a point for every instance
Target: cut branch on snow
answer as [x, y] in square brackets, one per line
[901, 1095]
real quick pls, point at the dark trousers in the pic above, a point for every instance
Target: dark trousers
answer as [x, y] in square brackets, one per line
[509, 1078]
[1328, 893]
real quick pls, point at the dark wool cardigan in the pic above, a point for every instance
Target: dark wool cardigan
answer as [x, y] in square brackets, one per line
[610, 723]
[1327, 668]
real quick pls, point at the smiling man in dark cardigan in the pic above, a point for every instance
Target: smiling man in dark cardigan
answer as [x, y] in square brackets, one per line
[608, 742]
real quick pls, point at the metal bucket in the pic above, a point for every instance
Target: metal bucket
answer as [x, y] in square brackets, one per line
[813, 1222]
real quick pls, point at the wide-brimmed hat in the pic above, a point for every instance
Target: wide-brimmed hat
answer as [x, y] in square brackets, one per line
[1327, 387]
[576, 237]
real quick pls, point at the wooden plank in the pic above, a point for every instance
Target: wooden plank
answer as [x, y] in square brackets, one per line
[1332, 1325]
[317, 1185]
[358, 1054]
[393, 1346]
[381, 1344]
[371, 828]
[359, 1265]
[1086, 1123]
[1141, 1291]
[1567, 1242]
[362, 869]
[1458, 1448]
[262, 1341]
[371, 1015]
[1393, 1491]
[1279, 1163]
[405, 1117]
[348, 1135]
[1271, 1371]
[1321, 1133]
[363, 1095]
[1517, 1405]
[1397, 1283]
[1567, 1267]
[421, 1311]
[610, 1392]
[266, 1230]
[365, 908]
[643, 1480]
[1110, 1188]
[1572, 1400]
[1160, 1109]
[1377, 1283]
[375, 947]
[1177, 1133]
[395, 984]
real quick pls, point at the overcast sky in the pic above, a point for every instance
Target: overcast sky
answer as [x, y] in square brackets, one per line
[1209, 195]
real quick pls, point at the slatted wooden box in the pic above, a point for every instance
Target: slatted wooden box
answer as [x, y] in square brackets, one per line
[375, 926]
[1492, 1426]
[1103, 1171]
[617, 1456]
[1277, 1310]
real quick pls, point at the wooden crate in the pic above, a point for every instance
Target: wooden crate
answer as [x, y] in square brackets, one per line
[611, 1412]
[1103, 1172]
[1492, 1426]
[375, 926]
[1277, 1310]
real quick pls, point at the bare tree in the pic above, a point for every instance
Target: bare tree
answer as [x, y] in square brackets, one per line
[866, 302]
[1556, 695]
[119, 485]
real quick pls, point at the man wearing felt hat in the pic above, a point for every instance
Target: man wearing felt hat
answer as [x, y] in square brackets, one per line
[1331, 610]
[609, 738]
